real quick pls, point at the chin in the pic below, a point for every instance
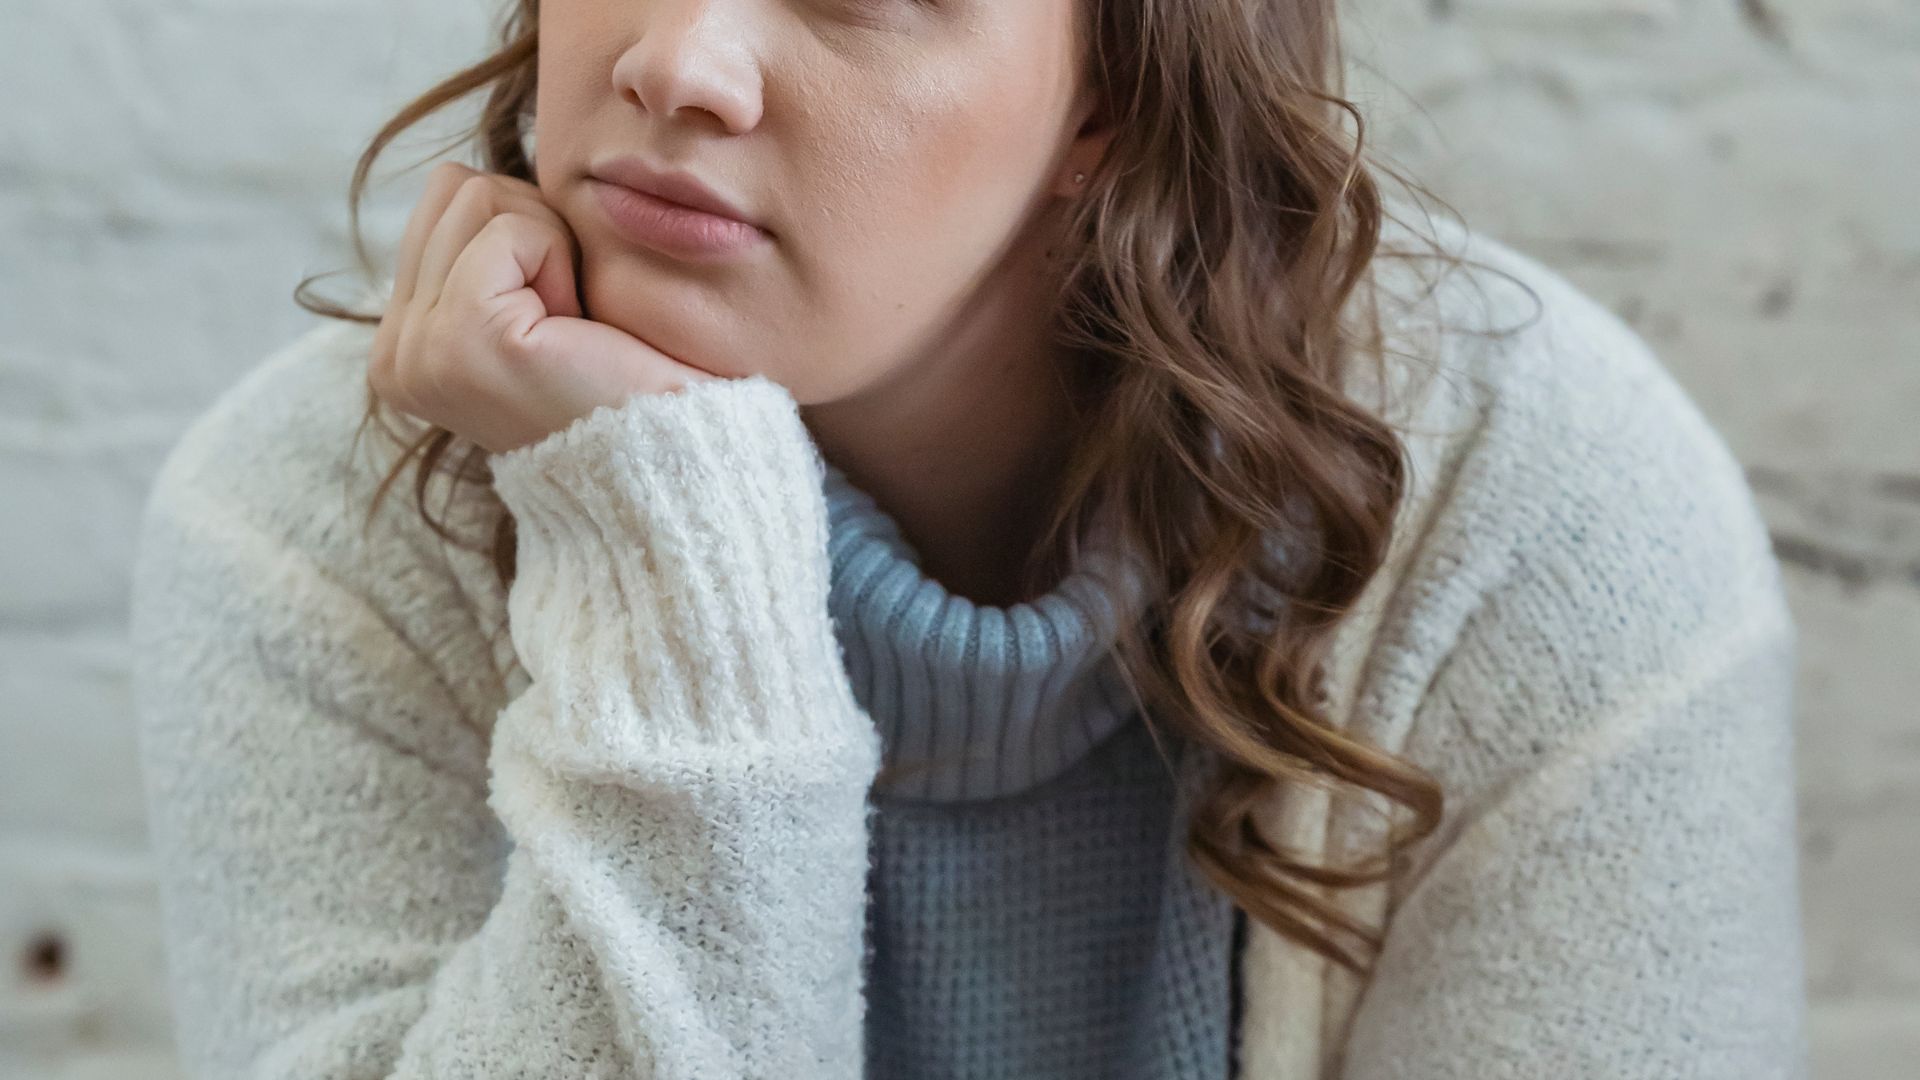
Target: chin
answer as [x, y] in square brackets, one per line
[683, 318]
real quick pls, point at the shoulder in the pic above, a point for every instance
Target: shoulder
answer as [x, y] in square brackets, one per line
[271, 440]
[271, 486]
[1582, 448]
[1575, 521]
[1528, 354]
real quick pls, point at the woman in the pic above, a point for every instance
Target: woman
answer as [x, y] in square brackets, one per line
[1011, 563]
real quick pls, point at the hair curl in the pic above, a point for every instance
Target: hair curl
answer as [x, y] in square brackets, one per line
[1211, 266]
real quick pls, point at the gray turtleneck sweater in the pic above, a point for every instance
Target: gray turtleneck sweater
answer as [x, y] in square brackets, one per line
[1032, 913]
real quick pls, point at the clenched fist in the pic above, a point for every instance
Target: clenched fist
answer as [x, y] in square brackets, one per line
[484, 334]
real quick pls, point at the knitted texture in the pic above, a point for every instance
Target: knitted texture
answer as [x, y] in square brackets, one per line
[1581, 632]
[682, 781]
[1032, 911]
[974, 701]
[616, 822]
[1061, 932]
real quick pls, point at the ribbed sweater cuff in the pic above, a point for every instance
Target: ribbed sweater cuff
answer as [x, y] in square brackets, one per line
[672, 565]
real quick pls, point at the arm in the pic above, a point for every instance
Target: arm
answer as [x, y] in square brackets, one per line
[1613, 891]
[1627, 908]
[655, 868]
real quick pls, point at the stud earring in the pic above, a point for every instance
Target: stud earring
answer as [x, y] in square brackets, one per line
[1079, 178]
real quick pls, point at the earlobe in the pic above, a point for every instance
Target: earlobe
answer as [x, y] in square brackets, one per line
[1088, 148]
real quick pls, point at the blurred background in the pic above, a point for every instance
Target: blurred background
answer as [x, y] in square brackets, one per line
[1736, 178]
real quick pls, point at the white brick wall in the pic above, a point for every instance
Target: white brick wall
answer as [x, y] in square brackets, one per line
[1734, 176]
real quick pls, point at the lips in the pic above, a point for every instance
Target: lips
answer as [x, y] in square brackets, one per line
[671, 228]
[673, 186]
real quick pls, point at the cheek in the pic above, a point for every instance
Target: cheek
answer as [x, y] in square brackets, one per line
[948, 141]
[919, 196]
[927, 172]
[571, 84]
[553, 121]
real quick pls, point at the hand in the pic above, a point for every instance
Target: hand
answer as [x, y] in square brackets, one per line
[484, 334]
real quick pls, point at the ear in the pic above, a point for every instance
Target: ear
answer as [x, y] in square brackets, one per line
[1085, 152]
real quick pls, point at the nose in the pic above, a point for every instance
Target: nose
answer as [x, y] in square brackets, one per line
[695, 55]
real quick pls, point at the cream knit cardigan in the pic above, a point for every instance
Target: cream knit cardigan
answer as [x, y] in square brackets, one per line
[386, 851]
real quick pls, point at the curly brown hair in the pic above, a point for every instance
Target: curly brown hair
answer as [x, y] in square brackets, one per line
[1213, 268]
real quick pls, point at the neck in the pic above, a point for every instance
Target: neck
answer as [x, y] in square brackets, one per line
[965, 447]
[972, 508]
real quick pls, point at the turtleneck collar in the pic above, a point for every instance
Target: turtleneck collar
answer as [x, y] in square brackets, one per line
[994, 700]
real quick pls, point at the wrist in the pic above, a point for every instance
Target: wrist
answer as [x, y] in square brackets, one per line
[692, 528]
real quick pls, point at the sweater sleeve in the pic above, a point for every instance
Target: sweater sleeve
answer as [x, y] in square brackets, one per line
[1614, 888]
[662, 870]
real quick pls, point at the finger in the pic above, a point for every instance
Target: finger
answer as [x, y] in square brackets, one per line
[500, 268]
[555, 281]
[492, 273]
[442, 183]
[525, 196]
[479, 200]
[560, 367]
[470, 209]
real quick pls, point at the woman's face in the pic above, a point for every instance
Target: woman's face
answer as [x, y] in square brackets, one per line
[903, 157]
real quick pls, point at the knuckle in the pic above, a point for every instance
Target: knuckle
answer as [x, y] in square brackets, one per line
[461, 199]
[443, 181]
[500, 329]
[449, 173]
[499, 223]
[475, 186]
[505, 225]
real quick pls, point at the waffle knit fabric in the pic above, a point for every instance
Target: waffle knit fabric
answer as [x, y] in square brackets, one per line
[621, 820]
[1031, 910]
